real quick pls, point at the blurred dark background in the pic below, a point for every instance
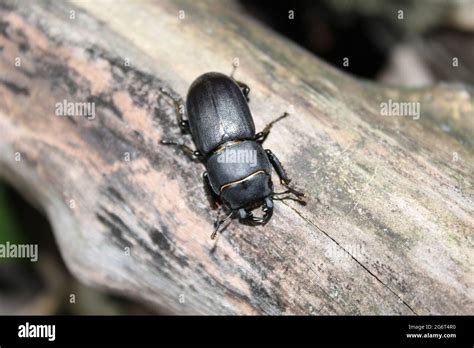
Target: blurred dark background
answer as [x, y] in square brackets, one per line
[415, 50]
[400, 42]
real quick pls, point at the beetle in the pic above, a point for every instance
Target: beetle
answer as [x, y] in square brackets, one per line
[218, 118]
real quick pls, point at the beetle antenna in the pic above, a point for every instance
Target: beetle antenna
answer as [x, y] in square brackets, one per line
[219, 223]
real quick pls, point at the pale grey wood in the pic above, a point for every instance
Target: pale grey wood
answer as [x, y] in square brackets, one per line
[389, 225]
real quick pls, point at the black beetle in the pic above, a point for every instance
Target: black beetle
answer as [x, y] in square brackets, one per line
[238, 172]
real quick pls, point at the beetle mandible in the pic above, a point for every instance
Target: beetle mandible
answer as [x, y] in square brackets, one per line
[238, 176]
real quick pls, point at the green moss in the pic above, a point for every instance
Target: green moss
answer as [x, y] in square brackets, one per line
[9, 228]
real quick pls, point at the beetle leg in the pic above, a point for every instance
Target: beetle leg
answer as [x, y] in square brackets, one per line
[210, 194]
[297, 199]
[243, 86]
[218, 223]
[267, 210]
[261, 136]
[194, 154]
[284, 179]
[180, 111]
[245, 89]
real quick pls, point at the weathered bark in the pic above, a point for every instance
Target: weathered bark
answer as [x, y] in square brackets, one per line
[388, 227]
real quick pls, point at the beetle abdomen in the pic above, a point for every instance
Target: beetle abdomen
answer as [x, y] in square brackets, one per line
[217, 112]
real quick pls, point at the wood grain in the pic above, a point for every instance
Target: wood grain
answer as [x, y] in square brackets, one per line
[389, 225]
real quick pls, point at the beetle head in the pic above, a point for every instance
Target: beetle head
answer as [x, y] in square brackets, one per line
[248, 194]
[247, 217]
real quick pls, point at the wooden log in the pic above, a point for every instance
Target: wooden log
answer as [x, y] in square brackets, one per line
[388, 226]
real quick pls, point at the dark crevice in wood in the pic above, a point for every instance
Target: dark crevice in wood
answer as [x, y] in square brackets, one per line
[18, 90]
